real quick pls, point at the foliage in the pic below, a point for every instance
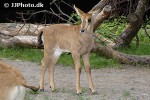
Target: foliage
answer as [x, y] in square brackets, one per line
[75, 17]
[143, 38]
[112, 28]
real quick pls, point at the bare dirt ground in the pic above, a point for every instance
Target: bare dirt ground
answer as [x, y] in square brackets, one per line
[125, 83]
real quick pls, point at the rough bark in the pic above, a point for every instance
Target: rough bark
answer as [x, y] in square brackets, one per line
[21, 41]
[100, 17]
[15, 34]
[102, 3]
[121, 57]
[99, 6]
[103, 40]
[135, 22]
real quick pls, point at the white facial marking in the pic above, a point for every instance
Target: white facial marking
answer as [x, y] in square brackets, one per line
[81, 24]
[87, 24]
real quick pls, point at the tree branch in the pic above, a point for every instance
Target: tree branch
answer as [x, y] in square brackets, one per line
[102, 16]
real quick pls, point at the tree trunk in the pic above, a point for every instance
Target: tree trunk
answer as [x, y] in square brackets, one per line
[8, 30]
[121, 57]
[21, 41]
[15, 34]
[101, 16]
[135, 22]
[99, 6]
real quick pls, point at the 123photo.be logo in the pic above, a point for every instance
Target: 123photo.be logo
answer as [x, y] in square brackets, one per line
[23, 5]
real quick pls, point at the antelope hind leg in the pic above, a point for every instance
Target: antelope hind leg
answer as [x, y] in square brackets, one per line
[45, 63]
[51, 69]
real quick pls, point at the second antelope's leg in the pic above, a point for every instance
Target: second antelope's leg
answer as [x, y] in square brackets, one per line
[51, 69]
[45, 63]
[76, 58]
[86, 62]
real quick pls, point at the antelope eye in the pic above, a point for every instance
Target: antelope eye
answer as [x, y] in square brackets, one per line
[89, 20]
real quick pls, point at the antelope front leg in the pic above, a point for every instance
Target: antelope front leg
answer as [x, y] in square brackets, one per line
[76, 58]
[88, 71]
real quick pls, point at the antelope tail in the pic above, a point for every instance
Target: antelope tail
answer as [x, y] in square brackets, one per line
[40, 42]
[33, 88]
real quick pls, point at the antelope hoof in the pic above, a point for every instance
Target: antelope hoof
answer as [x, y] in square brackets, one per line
[79, 94]
[53, 89]
[41, 90]
[95, 93]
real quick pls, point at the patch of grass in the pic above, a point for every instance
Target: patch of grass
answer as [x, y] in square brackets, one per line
[84, 90]
[143, 49]
[80, 98]
[98, 61]
[95, 60]
[66, 60]
[27, 98]
[29, 93]
[21, 53]
[36, 55]
[32, 92]
[127, 96]
[46, 98]
[88, 99]
[126, 93]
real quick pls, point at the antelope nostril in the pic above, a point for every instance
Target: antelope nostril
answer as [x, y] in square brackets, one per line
[82, 31]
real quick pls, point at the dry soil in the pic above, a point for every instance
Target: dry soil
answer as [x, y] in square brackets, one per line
[125, 83]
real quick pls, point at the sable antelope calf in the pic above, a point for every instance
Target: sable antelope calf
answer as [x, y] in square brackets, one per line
[12, 83]
[59, 38]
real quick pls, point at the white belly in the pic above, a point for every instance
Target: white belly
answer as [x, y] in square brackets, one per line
[17, 93]
[59, 51]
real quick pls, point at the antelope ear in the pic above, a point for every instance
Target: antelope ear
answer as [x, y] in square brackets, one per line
[78, 11]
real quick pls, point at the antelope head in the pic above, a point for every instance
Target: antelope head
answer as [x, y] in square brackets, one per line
[86, 20]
